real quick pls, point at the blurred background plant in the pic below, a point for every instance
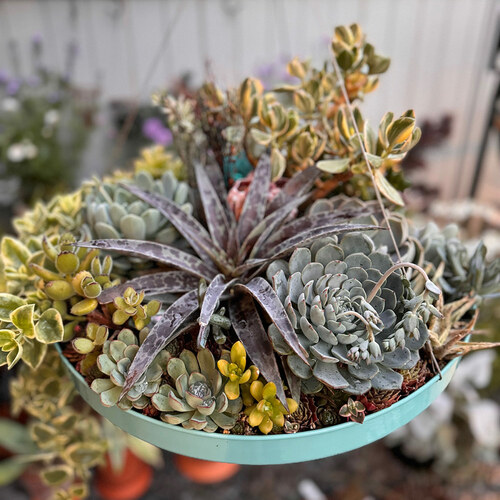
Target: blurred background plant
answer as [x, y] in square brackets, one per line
[45, 123]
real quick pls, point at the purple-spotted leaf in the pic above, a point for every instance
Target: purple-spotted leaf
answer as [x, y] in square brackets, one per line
[270, 223]
[215, 213]
[212, 295]
[263, 293]
[297, 185]
[254, 207]
[158, 252]
[248, 326]
[309, 222]
[165, 330]
[155, 283]
[307, 237]
[190, 228]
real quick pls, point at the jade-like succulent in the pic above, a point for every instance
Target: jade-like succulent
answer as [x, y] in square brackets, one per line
[268, 410]
[95, 336]
[234, 369]
[129, 306]
[114, 212]
[348, 303]
[156, 161]
[72, 274]
[198, 400]
[115, 360]
[353, 410]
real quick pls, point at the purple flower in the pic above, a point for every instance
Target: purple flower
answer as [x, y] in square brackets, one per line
[13, 86]
[154, 130]
[4, 77]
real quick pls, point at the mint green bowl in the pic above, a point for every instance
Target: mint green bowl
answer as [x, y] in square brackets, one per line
[275, 449]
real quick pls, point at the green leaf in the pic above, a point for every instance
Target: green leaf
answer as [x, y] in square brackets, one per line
[15, 437]
[345, 59]
[260, 137]
[10, 470]
[375, 161]
[387, 189]
[86, 454]
[22, 318]
[400, 130]
[278, 164]
[334, 166]
[50, 328]
[83, 345]
[14, 252]
[378, 64]
[14, 356]
[33, 353]
[8, 304]
[57, 474]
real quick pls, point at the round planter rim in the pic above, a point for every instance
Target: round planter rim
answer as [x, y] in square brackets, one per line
[274, 437]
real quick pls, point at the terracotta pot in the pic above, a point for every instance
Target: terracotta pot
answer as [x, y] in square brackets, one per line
[203, 471]
[128, 484]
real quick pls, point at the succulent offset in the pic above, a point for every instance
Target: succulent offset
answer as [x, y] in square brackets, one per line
[115, 360]
[197, 399]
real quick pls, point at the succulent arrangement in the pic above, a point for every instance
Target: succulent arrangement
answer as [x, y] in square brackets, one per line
[272, 284]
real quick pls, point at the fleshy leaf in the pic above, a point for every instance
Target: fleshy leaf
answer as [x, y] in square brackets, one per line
[262, 231]
[191, 229]
[248, 326]
[153, 284]
[263, 293]
[387, 189]
[254, 207]
[309, 222]
[149, 250]
[163, 331]
[336, 166]
[212, 295]
[33, 353]
[215, 214]
[296, 186]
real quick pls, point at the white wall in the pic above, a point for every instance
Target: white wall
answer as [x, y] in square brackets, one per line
[439, 51]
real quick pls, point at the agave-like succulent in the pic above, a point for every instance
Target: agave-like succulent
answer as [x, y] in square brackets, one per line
[198, 400]
[349, 308]
[231, 256]
[115, 360]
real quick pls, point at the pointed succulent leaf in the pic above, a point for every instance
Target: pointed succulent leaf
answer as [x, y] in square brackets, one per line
[254, 207]
[215, 213]
[249, 329]
[163, 332]
[22, 318]
[307, 237]
[257, 238]
[33, 353]
[297, 186]
[212, 296]
[194, 233]
[309, 222]
[263, 293]
[158, 252]
[387, 189]
[153, 284]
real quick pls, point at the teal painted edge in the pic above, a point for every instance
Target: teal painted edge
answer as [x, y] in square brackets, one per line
[267, 450]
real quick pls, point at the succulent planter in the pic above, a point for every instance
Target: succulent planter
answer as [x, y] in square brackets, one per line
[274, 449]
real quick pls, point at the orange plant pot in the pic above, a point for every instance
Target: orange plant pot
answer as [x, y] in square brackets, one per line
[128, 484]
[203, 471]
